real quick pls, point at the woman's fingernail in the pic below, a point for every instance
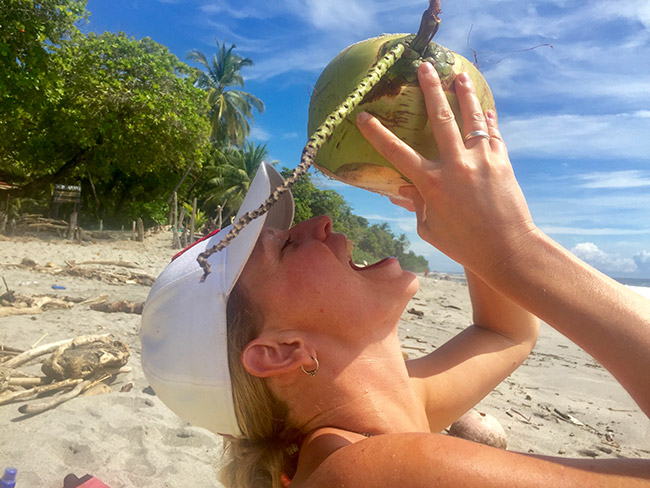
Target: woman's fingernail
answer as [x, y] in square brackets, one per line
[363, 117]
[427, 68]
[464, 79]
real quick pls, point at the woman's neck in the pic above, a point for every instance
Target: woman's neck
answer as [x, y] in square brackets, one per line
[364, 391]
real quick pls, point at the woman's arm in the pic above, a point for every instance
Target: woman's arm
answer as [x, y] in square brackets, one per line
[469, 205]
[477, 359]
[438, 461]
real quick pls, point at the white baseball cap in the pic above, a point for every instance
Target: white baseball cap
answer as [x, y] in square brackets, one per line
[183, 332]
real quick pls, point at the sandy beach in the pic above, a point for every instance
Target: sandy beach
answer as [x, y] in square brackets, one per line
[560, 402]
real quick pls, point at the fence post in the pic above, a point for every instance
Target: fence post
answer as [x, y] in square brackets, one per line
[192, 221]
[140, 227]
[72, 227]
[176, 243]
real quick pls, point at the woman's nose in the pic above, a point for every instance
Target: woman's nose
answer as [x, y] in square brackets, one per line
[314, 228]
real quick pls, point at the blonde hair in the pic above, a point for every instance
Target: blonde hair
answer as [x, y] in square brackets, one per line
[269, 445]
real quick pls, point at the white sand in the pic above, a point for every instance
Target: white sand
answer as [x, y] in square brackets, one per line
[129, 439]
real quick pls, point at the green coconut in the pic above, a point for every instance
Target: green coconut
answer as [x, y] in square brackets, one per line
[396, 101]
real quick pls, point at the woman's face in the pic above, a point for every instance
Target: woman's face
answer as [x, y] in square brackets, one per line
[304, 277]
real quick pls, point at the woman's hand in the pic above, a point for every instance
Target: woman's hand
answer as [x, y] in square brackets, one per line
[467, 201]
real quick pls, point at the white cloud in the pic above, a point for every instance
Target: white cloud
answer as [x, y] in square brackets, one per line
[615, 179]
[259, 134]
[612, 136]
[642, 261]
[406, 224]
[607, 263]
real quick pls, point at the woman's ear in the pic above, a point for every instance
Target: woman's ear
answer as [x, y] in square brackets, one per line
[275, 353]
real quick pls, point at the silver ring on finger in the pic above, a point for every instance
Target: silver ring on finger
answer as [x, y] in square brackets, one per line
[476, 133]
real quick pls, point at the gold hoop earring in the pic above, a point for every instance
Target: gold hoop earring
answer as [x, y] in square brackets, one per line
[312, 372]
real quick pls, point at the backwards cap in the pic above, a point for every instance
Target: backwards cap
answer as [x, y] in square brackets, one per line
[183, 333]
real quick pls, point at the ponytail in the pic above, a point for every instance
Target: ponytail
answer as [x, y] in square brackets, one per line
[269, 446]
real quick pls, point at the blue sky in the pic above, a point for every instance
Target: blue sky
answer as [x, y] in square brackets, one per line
[575, 116]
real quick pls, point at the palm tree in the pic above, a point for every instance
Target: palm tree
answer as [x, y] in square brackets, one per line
[230, 109]
[229, 176]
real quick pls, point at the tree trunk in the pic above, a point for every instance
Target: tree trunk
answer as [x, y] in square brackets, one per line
[192, 221]
[175, 239]
[178, 185]
[140, 228]
[72, 227]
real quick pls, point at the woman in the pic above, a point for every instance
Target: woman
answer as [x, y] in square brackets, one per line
[316, 392]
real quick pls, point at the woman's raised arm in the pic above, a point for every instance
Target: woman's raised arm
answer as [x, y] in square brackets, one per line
[469, 205]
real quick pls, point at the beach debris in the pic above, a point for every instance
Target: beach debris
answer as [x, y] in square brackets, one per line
[85, 358]
[479, 427]
[568, 418]
[94, 270]
[121, 306]
[12, 303]
[510, 411]
[414, 311]
[74, 367]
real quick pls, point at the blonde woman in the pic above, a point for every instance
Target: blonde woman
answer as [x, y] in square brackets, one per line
[291, 352]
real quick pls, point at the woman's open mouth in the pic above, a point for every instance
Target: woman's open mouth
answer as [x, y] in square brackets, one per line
[365, 267]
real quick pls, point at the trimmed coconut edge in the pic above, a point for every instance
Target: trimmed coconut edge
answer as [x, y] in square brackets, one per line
[378, 179]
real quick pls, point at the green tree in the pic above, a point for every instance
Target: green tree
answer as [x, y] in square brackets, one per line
[230, 108]
[226, 179]
[27, 30]
[29, 74]
[129, 121]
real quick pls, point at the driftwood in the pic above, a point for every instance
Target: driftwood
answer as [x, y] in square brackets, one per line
[124, 264]
[85, 359]
[14, 396]
[34, 408]
[122, 306]
[7, 311]
[76, 365]
[35, 352]
[74, 269]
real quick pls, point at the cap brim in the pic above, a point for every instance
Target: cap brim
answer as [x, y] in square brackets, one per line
[184, 323]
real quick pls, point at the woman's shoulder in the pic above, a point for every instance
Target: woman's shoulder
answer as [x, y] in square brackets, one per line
[420, 460]
[319, 447]
[335, 457]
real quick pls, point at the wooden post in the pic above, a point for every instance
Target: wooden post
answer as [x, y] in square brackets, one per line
[140, 227]
[72, 227]
[181, 223]
[219, 215]
[101, 225]
[176, 243]
[3, 221]
[193, 221]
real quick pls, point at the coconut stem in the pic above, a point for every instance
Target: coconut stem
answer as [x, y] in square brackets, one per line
[428, 27]
[319, 137]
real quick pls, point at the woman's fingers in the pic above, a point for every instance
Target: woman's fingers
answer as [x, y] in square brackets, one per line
[441, 117]
[475, 129]
[401, 155]
[496, 142]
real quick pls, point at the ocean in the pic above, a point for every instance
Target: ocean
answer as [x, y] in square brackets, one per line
[639, 285]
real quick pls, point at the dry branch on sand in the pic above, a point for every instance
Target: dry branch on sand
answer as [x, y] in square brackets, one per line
[121, 306]
[75, 365]
[81, 270]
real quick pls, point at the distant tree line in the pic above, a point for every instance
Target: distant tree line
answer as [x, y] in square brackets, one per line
[132, 124]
